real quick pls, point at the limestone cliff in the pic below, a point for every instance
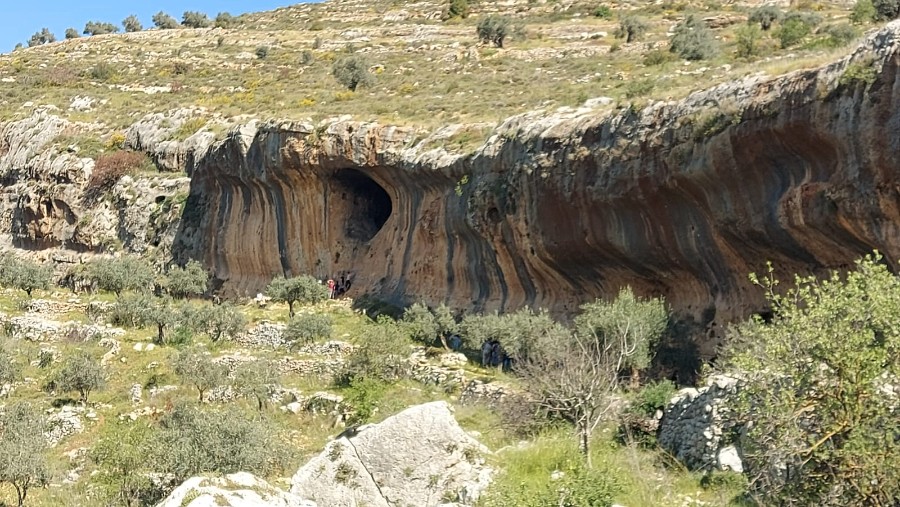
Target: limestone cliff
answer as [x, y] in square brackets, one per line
[680, 198]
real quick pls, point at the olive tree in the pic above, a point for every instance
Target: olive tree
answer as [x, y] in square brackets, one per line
[194, 19]
[45, 36]
[23, 274]
[132, 24]
[220, 321]
[631, 28]
[256, 380]
[300, 289]
[125, 457]
[164, 21]
[126, 273]
[10, 370]
[23, 457]
[196, 367]
[190, 280]
[427, 325]
[574, 375]
[81, 372]
[303, 329]
[765, 16]
[353, 71]
[99, 28]
[494, 29]
[693, 40]
[817, 390]
[72, 33]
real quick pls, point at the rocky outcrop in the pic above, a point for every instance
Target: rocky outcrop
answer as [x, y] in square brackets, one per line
[235, 490]
[417, 457]
[680, 199]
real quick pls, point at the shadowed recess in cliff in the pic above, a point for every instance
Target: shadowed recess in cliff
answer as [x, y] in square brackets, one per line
[369, 205]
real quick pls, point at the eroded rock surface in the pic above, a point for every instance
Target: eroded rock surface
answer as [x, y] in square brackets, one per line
[417, 457]
[235, 490]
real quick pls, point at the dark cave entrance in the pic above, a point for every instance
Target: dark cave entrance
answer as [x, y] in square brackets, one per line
[368, 204]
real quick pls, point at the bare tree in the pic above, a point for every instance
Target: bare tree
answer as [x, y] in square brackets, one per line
[575, 375]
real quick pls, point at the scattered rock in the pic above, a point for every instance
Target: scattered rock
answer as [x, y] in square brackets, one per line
[235, 490]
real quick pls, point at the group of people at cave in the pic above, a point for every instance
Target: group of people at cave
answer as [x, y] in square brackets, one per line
[337, 289]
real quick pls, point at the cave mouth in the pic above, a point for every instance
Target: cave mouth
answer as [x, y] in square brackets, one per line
[368, 204]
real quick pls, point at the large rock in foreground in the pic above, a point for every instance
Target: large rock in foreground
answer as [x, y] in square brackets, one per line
[418, 457]
[235, 490]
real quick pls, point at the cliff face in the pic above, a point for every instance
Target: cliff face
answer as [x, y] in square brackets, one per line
[681, 199]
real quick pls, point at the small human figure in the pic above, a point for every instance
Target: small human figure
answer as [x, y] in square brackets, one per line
[455, 342]
[486, 353]
[330, 288]
[496, 350]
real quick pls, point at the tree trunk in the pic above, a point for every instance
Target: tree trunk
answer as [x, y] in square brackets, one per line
[21, 493]
[444, 341]
[160, 338]
[291, 309]
[585, 443]
[635, 378]
[201, 394]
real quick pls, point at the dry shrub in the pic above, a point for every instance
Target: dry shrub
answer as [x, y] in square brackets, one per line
[109, 168]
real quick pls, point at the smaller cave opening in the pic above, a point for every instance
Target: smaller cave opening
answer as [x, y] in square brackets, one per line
[366, 203]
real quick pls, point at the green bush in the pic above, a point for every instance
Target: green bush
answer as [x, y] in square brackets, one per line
[164, 21]
[746, 39]
[823, 432]
[125, 457]
[262, 52]
[796, 26]
[839, 35]
[10, 370]
[631, 28]
[353, 71]
[886, 9]
[863, 12]
[194, 19]
[603, 12]
[72, 33]
[303, 329]
[639, 88]
[657, 57]
[518, 333]
[693, 40]
[221, 321]
[256, 380]
[126, 273]
[457, 9]
[225, 20]
[652, 397]
[363, 395]
[194, 441]
[862, 72]
[766, 16]
[380, 353]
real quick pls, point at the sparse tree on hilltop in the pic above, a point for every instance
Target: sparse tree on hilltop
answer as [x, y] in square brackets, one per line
[631, 28]
[164, 21]
[99, 28]
[302, 289]
[225, 20]
[23, 459]
[45, 36]
[353, 71]
[72, 33]
[194, 19]
[132, 24]
[80, 372]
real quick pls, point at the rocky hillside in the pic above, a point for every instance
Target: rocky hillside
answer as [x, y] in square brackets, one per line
[550, 171]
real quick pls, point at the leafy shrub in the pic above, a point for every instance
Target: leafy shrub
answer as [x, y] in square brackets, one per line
[23, 456]
[196, 441]
[126, 273]
[693, 40]
[80, 372]
[262, 52]
[10, 370]
[631, 28]
[839, 35]
[430, 326]
[380, 353]
[256, 380]
[125, 454]
[225, 20]
[109, 169]
[518, 333]
[823, 431]
[353, 71]
[652, 397]
[72, 33]
[658, 57]
[603, 12]
[639, 88]
[220, 321]
[494, 29]
[363, 396]
[796, 26]
[457, 9]
[746, 39]
[164, 21]
[863, 12]
[132, 24]
[102, 71]
[303, 329]
[859, 72]
[886, 9]
[194, 19]
[765, 16]
[99, 28]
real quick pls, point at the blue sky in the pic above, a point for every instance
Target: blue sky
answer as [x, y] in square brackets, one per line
[20, 19]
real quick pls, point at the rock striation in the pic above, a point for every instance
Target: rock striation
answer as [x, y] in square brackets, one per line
[417, 457]
[681, 198]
